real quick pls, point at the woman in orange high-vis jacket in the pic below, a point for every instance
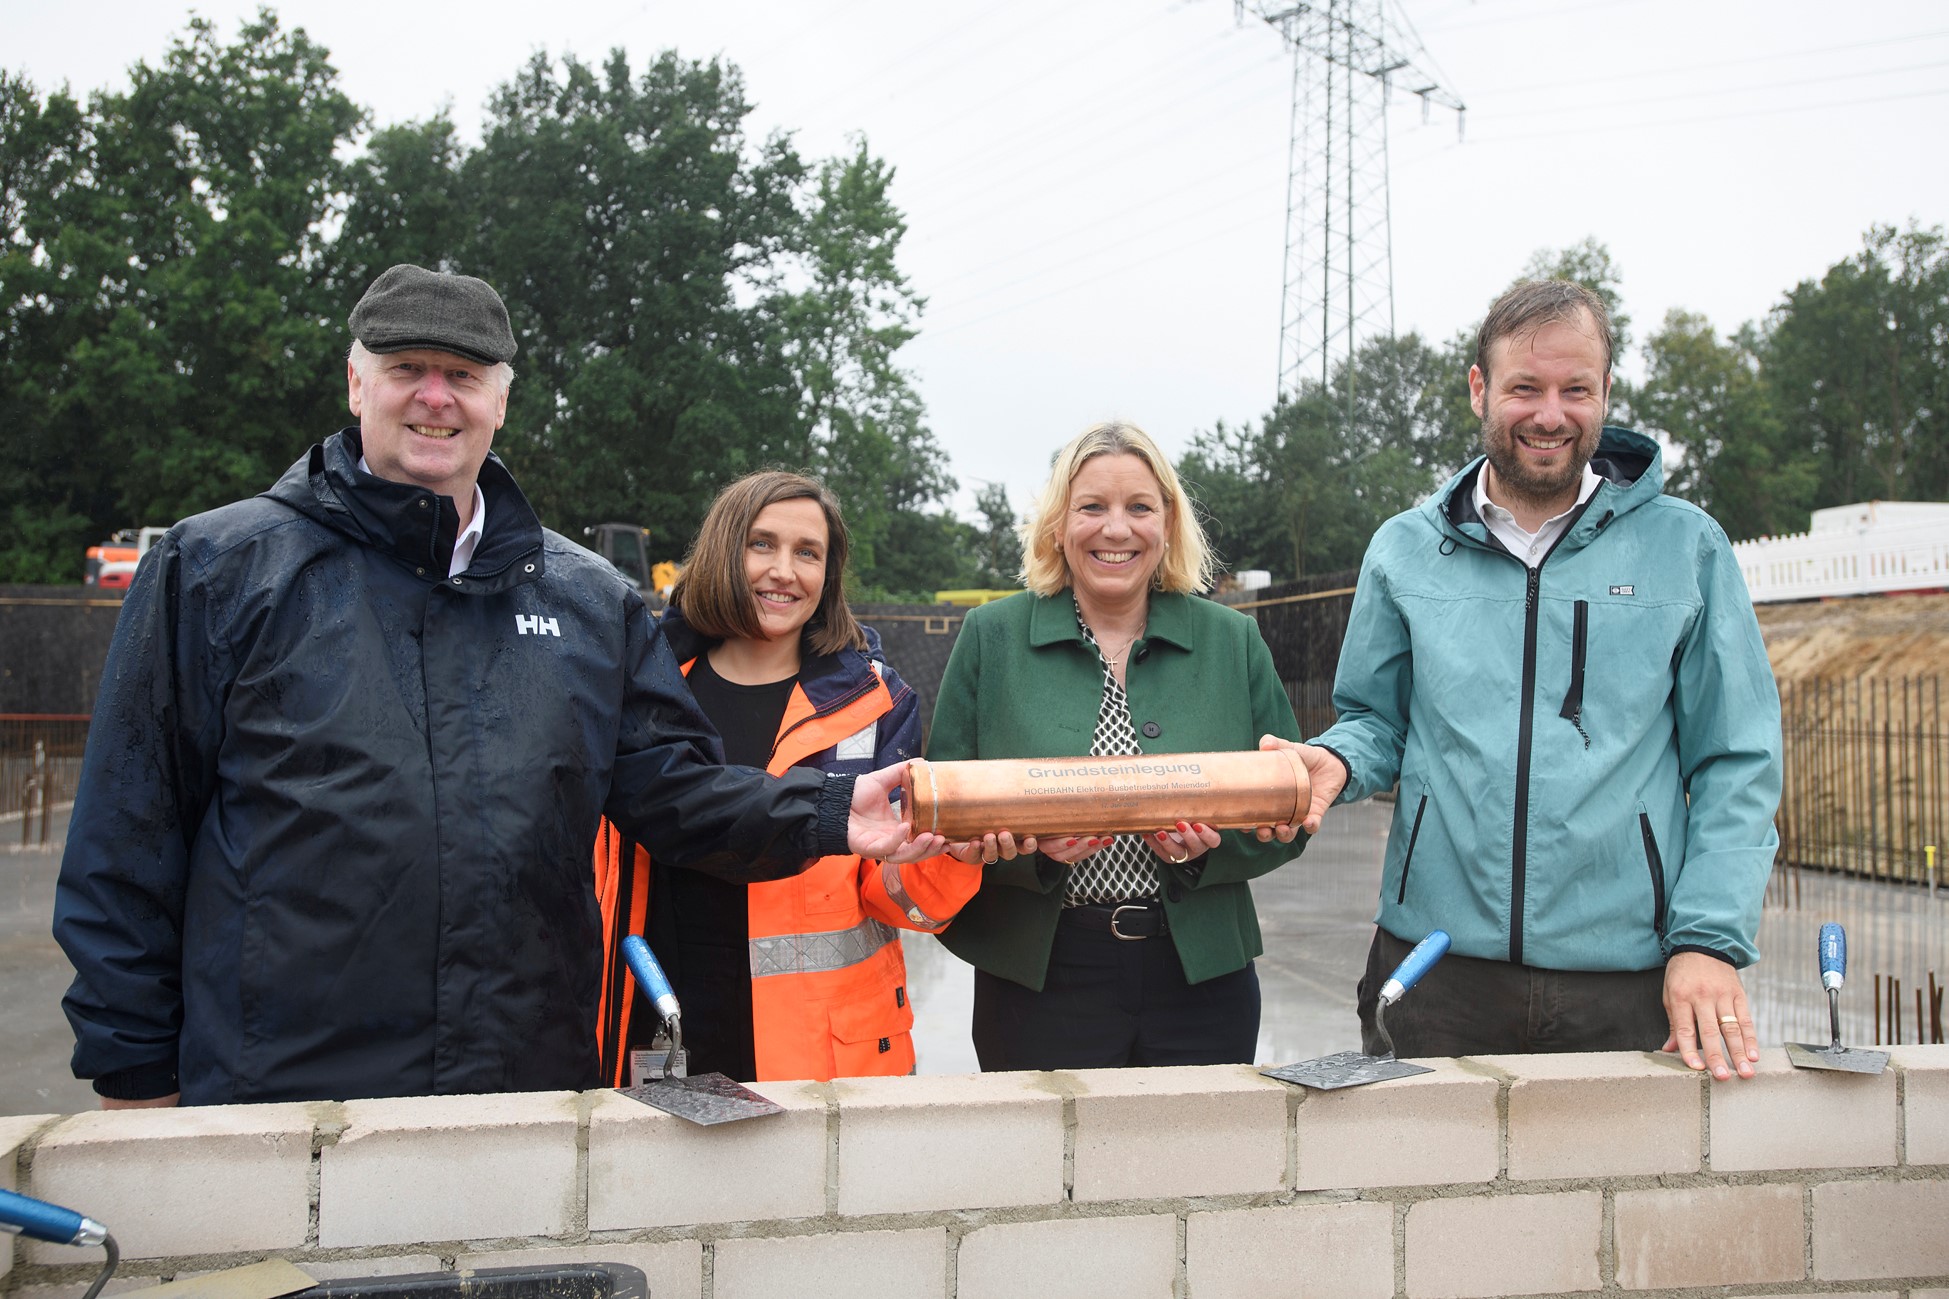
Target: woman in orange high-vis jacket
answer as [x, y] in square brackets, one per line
[800, 977]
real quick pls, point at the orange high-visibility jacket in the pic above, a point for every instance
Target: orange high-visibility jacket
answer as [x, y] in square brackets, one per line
[828, 981]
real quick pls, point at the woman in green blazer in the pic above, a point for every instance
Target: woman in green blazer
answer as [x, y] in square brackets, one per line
[1134, 949]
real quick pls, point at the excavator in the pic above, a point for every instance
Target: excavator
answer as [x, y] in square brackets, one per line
[626, 546]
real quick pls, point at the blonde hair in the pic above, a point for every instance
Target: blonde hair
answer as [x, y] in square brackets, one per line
[1187, 562]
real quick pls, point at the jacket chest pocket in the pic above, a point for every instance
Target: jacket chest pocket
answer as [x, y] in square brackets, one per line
[1619, 660]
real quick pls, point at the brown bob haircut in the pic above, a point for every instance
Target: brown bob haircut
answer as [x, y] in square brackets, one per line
[716, 598]
[1528, 305]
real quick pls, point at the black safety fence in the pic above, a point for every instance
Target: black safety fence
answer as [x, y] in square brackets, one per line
[1303, 623]
[1863, 814]
[1867, 776]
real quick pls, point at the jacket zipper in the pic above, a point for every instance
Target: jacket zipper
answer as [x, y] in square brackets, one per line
[1408, 861]
[1657, 865]
[1519, 851]
[1519, 856]
[1573, 701]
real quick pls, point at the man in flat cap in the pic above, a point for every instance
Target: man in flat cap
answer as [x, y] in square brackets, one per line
[333, 835]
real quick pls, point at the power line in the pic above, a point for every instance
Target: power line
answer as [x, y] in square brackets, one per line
[1720, 91]
[1229, 202]
[1339, 276]
[1064, 151]
[1072, 286]
[1714, 65]
[1613, 127]
[1062, 146]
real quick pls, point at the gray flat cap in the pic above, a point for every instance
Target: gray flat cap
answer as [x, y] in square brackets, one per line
[410, 306]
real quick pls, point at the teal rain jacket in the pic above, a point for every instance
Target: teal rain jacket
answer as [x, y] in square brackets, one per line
[1588, 751]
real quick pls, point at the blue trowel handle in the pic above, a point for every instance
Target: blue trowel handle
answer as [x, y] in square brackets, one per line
[642, 964]
[1417, 963]
[1833, 955]
[44, 1221]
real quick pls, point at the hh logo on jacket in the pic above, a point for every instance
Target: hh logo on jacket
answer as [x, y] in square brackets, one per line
[535, 625]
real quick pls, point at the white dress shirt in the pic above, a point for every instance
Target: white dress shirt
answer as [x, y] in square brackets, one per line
[1530, 547]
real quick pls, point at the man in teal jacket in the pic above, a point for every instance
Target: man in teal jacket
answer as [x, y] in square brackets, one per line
[1560, 666]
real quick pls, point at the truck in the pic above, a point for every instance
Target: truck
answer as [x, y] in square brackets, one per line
[111, 565]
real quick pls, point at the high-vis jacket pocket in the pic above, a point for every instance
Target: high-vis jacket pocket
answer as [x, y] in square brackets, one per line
[873, 1036]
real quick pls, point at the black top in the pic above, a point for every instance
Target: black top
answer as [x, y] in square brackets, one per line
[700, 926]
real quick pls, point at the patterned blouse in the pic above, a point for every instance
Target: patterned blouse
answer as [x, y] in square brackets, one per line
[1127, 869]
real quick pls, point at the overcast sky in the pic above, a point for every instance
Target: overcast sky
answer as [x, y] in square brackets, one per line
[1096, 189]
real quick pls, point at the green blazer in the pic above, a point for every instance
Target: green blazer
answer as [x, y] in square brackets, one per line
[1023, 683]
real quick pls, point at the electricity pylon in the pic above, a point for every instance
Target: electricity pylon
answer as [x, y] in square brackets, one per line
[1348, 58]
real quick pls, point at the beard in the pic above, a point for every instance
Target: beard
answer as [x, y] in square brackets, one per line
[1521, 478]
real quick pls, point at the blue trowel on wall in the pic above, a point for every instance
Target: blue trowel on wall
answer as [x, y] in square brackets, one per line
[1833, 972]
[707, 1098]
[1356, 1068]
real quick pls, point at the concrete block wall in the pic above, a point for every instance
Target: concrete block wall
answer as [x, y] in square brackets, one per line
[1616, 1174]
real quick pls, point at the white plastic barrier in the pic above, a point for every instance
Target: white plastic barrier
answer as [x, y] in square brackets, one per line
[1814, 565]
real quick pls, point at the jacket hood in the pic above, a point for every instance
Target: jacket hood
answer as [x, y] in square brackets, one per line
[414, 525]
[1631, 468]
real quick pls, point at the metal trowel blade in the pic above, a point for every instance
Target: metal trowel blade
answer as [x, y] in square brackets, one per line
[1346, 1069]
[1847, 1059]
[706, 1098]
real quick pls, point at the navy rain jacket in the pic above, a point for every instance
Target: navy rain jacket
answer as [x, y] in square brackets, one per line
[334, 831]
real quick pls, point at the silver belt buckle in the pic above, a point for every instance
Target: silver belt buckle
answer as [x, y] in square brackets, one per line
[1128, 938]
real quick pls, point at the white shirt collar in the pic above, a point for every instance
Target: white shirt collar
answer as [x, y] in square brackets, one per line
[1530, 547]
[469, 539]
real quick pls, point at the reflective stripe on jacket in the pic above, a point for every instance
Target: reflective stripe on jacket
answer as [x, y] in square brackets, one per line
[829, 983]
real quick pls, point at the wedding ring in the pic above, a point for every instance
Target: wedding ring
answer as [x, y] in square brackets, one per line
[1728, 1019]
[1179, 861]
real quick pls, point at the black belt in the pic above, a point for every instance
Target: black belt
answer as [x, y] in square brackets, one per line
[1143, 918]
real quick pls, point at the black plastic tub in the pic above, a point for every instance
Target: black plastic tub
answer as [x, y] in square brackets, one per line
[581, 1281]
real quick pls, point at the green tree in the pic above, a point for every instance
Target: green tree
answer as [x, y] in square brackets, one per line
[50, 488]
[693, 305]
[166, 273]
[998, 539]
[863, 422]
[1303, 492]
[622, 218]
[1707, 398]
[1857, 367]
[404, 203]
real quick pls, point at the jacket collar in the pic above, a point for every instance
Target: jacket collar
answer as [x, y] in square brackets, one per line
[1052, 620]
[826, 679]
[1630, 464]
[412, 524]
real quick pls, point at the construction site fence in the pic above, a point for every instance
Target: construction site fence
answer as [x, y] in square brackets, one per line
[40, 764]
[1866, 788]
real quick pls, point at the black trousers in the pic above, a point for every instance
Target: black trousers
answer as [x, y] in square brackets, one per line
[1110, 1002]
[1469, 1006]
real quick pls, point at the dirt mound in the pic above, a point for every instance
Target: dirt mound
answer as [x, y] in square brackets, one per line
[1869, 635]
